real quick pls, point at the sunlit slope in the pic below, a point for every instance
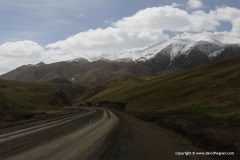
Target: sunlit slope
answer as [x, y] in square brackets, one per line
[209, 93]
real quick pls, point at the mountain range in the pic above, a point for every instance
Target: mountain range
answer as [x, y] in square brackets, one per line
[182, 52]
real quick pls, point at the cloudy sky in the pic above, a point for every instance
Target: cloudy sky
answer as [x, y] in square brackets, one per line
[52, 30]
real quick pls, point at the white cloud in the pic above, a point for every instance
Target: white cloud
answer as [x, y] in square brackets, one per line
[195, 4]
[145, 27]
[3, 70]
[100, 42]
[236, 27]
[175, 4]
[109, 21]
[231, 15]
[167, 18]
[225, 13]
[14, 54]
[81, 15]
[21, 49]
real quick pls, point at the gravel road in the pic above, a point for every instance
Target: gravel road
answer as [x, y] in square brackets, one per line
[95, 134]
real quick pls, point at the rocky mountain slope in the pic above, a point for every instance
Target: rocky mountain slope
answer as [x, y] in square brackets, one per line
[182, 52]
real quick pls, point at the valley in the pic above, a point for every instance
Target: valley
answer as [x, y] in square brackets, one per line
[186, 88]
[26, 101]
[201, 104]
[120, 80]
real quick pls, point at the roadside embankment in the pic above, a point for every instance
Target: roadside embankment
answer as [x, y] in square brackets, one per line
[218, 139]
[120, 106]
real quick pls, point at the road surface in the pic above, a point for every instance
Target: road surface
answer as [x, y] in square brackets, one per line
[92, 134]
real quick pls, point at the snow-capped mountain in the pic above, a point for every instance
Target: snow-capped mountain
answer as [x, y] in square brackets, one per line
[188, 50]
[135, 53]
[219, 38]
[79, 60]
[212, 44]
[182, 52]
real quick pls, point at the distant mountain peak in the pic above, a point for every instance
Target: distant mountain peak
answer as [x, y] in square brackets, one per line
[39, 64]
[180, 44]
[79, 60]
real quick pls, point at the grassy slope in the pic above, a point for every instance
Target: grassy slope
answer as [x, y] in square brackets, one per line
[208, 94]
[22, 97]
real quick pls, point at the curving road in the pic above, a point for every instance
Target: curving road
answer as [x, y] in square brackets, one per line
[73, 137]
[95, 134]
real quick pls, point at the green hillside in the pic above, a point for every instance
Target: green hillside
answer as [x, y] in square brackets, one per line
[23, 98]
[208, 94]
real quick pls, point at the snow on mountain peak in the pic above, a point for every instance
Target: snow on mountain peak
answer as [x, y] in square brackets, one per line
[183, 43]
[211, 44]
[139, 54]
[79, 60]
[219, 38]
